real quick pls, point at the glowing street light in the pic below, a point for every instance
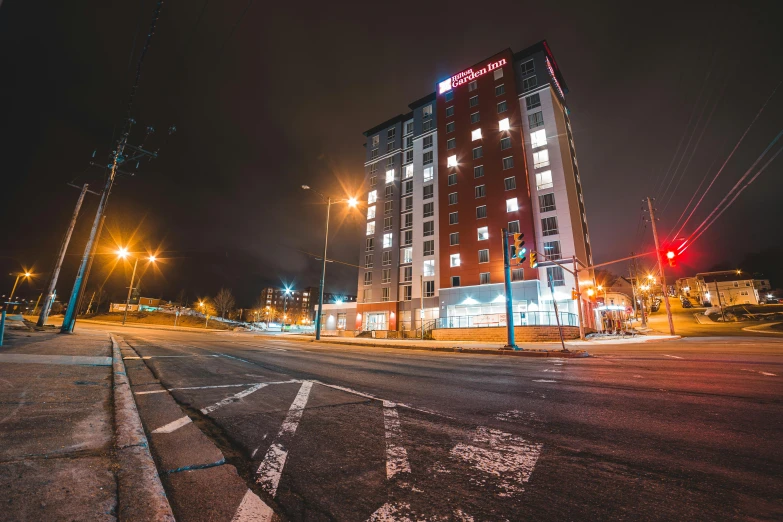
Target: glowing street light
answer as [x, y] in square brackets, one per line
[122, 253]
[24, 274]
[328, 199]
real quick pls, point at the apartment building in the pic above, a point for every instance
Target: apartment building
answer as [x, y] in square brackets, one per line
[490, 150]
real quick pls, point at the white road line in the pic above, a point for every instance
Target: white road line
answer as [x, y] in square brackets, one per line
[543, 380]
[672, 356]
[233, 398]
[174, 425]
[759, 372]
[252, 509]
[217, 386]
[271, 469]
[396, 455]
[148, 392]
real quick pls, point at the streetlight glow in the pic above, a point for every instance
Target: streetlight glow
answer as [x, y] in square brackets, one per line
[152, 259]
[122, 252]
[352, 202]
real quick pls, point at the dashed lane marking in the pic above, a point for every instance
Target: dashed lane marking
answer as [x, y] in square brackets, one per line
[396, 455]
[759, 372]
[270, 470]
[174, 425]
[543, 380]
[672, 356]
[252, 509]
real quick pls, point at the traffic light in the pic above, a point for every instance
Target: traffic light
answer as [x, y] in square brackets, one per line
[574, 295]
[672, 257]
[533, 261]
[517, 250]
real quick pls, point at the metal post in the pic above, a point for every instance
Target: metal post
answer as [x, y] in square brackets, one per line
[660, 266]
[507, 285]
[557, 314]
[323, 273]
[36, 303]
[130, 289]
[2, 326]
[63, 248]
[92, 258]
[421, 305]
[633, 290]
[720, 305]
[285, 307]
[578, 300]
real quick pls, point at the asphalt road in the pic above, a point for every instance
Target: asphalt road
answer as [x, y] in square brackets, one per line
[677, 430]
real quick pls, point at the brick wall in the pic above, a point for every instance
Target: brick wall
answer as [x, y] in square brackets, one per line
[498, 334]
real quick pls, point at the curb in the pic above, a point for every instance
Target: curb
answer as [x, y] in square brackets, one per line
[762, 328]
[458, 349]
[141, 494]
[152, 326]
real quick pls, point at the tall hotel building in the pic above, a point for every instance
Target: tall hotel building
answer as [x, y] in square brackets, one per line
[491, 149]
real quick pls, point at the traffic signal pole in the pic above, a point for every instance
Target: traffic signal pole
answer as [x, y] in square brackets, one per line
[660, 266]
[507, 285]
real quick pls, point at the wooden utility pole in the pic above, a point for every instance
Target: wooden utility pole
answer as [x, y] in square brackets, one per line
[660, 266]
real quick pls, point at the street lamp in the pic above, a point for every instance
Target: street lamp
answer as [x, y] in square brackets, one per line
[328, 199]
[122, 253]
[285, 304]
[203, 306]
[26, 275]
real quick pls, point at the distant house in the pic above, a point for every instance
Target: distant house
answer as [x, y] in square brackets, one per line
[144, 304]
[727, 288]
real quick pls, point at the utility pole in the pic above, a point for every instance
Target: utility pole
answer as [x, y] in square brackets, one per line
[130, 289]
[47, 306]
[660, 266]
[633, 290]
[89, 264]
[636, 279]
[511, 345]
[323, 274]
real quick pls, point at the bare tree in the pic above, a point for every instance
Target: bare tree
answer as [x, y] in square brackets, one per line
[182, 298]
[224, 302]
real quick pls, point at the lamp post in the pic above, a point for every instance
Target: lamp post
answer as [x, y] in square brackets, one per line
[328, 199]
[26, 275]
[123, 253]
[285, 305]
[203, 306]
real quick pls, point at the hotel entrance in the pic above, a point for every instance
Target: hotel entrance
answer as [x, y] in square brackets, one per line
[377, 321]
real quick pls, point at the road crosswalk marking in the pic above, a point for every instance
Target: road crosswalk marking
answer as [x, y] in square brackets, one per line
[396, 455]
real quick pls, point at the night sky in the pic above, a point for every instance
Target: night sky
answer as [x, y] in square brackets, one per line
[266, 98]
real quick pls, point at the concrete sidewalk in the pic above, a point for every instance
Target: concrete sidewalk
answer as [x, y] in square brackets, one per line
[58, 443]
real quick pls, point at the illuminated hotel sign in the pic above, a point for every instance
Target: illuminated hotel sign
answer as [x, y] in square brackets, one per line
[468, 75]
[554, 79]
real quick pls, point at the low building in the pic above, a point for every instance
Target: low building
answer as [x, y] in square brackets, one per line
[142, 304]
[727, 288]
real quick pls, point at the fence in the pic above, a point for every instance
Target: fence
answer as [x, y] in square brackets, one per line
[520, 319]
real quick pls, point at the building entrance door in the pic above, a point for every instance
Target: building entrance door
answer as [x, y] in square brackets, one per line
[376, 321]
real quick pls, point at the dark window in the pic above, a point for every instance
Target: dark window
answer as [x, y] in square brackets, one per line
[473, 101]
[429, 288]
[407, 188]
[480, 191]
[407, 220]
[528, 67]
[388, 206]
[483, 256]
[451, 144]
[484, 278]
[529, 83]
[389, 191]
[448, 96]
[546, 202]
[453, 198]
[427, 142]
[429, 248]
[429, 228]
[450, 126]
[513, 227]
[510, 183]
[475, 117]
[505, 143]
[453, 218]
[549, 226]
[427, 158]
[536, 119]
[508, 163]
[449, 111]
[555, 274]
[518, 274]
[454, 281]
[502, 107]
[481, 212]
[426, 125]
[478, 171]
[552, 249]
[452, 179]
[533, 101]
[428, 191]
[429, 209]
[472, 86]
[478, 152]
[387, 223]
[454, 238]
[500, 89]
[369, 243]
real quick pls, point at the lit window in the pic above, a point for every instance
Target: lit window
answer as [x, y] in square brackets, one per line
[504, 125]
[386, 276]
[376, 140]
[476, 134]
[483, 256]
[454, 238]
[544, 180]
[452, 161]
[540, 159]
[538, 138]
[371, 228]
[443, 86]
[483, 233]
[408, 172]
[372, 197]
[387, 238]
[429, 267]
[428, 174]
[512, 205]
[371, 212]
[454, 260]
[407, 255]
[385, 293]
[390, 176]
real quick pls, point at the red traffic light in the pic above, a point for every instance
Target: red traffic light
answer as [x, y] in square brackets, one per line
[670, 255]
